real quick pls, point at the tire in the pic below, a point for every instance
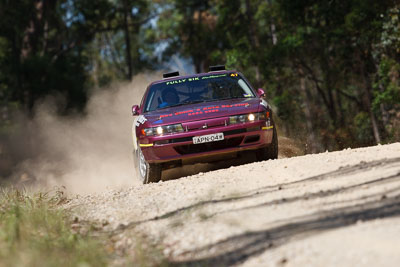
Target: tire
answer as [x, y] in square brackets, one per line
[147, 173]
[271, 151]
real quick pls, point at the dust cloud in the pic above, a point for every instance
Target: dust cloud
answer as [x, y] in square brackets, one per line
[86, 153]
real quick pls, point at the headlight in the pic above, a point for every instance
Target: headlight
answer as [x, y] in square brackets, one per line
[251, 117]
[259, 116]
[160, 130]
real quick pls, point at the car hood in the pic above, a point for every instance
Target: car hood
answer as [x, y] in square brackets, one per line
[201, 111]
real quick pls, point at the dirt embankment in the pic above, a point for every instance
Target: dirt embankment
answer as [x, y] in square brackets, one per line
[329, 209]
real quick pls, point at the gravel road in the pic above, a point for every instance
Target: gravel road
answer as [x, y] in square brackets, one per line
[330, 209]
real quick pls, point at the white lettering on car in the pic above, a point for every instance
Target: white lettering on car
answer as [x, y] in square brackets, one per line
[264, 103]
[140, 120]
[176, 82]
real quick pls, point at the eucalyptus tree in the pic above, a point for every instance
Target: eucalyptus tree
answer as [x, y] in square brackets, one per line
[45, 42]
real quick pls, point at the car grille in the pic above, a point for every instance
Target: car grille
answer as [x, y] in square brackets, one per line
[205, 147]
[186, 139]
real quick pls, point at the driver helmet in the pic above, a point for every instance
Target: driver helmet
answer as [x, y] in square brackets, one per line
[170, 96]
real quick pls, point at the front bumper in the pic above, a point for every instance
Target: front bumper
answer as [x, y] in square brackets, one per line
[179, 146]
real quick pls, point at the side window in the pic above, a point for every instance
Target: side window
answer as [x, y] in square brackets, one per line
[245, 87]
[152, 102]
[149, 100]
[157, 98]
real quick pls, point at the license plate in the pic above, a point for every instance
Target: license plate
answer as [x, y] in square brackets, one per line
[208, 138]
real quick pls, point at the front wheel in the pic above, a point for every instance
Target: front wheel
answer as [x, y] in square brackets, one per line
[271, 151]
[147, 172]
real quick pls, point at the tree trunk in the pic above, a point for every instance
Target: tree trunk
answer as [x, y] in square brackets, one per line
[16, 51]
[197, 65]
[382, 106]
[372, 117]
[272, 27]
[312, 145]
[128, 56]
[368, 99]
[253, 38]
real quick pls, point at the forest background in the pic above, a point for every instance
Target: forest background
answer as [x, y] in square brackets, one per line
[330, 68]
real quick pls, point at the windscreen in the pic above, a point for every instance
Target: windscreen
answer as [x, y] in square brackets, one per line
[197, 89]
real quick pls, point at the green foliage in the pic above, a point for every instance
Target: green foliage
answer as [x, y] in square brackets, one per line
[46, 47]
[345, 53]
[35, 232]
[390, 93]
[44, 52]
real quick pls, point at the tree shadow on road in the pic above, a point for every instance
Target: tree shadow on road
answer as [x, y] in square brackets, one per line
[237, 249]
[323, 194]
[193, 169]
[357, 168]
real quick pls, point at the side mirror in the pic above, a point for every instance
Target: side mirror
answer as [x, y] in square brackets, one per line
[260, 92]
[135, 110]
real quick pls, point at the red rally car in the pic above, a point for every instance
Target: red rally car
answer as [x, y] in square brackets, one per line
[200, 118]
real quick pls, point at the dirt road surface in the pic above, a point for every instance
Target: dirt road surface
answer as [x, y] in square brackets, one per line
[330, 209]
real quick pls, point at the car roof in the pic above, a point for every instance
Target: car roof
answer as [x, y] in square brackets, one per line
[192, 75]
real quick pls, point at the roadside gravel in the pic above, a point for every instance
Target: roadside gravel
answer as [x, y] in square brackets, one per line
[330, 209]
